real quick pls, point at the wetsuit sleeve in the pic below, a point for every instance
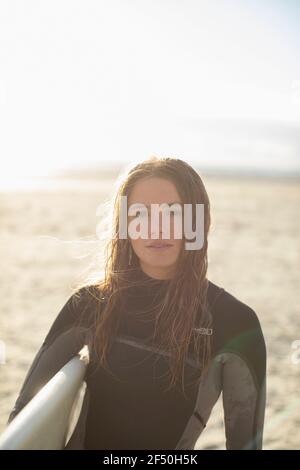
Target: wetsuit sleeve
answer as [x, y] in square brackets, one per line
[244, 386]
[64, 340]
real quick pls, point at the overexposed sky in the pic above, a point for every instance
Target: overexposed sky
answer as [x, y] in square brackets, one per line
[212, 82]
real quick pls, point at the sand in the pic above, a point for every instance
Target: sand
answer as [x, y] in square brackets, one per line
[254, 253]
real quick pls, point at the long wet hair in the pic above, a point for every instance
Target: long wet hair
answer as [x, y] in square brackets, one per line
[184, 305]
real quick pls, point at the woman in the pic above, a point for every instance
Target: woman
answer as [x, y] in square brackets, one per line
[164, 341]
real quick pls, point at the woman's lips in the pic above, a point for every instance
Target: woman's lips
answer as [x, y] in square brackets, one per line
[160, 247]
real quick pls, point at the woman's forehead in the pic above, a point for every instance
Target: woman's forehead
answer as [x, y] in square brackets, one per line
[154, 191]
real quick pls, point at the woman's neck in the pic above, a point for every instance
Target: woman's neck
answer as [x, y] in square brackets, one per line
[157, 273]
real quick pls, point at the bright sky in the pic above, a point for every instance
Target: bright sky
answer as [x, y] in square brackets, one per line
[212, 82]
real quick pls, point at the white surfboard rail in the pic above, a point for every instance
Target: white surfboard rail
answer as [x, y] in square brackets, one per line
[48, 420]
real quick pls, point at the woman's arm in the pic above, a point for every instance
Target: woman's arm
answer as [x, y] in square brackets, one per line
[244, 387]
[244, 405]
[62, 342]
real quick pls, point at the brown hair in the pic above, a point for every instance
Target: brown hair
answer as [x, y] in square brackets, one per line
[184, 305]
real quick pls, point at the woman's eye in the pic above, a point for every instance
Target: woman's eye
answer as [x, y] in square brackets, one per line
[144, 214]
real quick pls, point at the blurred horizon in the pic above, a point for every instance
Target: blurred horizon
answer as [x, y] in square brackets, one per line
[88, 177]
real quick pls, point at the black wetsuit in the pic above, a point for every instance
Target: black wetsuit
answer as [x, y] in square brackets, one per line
[133, 411]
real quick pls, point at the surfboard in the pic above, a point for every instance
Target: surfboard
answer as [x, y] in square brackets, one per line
[48, 420]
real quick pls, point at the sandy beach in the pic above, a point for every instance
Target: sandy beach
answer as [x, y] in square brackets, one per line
[47, 238]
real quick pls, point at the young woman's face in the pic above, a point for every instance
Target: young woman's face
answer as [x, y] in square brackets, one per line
[159, 263]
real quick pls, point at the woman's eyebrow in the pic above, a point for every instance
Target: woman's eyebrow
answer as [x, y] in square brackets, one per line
[148, 205]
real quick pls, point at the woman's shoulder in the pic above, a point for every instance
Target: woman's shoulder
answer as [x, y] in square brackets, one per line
[228, 308]
[86, 294]
[237, 330]
[78, 310]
